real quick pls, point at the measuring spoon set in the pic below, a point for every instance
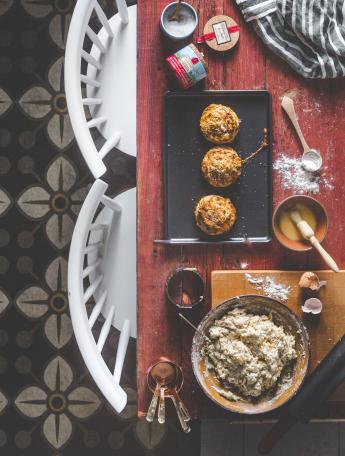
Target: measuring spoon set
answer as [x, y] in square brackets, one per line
[165, 380]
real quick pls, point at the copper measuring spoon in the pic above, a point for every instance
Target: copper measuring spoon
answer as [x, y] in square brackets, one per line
[153, 404]
[160, 375]
[176, 381]
[173, 394]
[168, 377]
[161, 405]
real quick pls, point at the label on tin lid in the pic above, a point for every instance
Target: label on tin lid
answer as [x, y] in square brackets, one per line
[221, 32]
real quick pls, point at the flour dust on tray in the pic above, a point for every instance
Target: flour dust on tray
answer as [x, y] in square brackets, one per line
[249, 354]
[295, 177]
[269, 287]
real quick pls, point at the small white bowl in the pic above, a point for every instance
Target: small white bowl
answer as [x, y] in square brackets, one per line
[179, 30]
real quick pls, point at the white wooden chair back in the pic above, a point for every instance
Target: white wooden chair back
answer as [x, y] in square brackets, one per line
[93, 237]
[103, 97]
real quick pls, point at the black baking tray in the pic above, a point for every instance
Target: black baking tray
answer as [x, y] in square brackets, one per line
[184, 148]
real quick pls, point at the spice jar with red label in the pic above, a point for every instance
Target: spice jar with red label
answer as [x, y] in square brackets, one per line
[188, 66]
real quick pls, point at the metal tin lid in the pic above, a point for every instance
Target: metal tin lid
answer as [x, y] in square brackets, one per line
[221, 33]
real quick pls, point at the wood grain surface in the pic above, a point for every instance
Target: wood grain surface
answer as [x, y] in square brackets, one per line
[321, 109]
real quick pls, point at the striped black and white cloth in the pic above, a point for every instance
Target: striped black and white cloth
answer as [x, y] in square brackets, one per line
[308, 34]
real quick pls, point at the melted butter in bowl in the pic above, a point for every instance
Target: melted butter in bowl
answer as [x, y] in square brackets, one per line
[289, 228]
[286, 231]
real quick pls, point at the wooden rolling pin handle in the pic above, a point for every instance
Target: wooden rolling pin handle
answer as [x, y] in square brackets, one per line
[317, 387]
[325, 255]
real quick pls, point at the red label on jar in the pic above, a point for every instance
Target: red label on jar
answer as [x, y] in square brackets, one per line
[179, 71]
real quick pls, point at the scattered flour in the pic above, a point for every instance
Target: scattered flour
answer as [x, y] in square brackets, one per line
[269, 287]
[295, 177]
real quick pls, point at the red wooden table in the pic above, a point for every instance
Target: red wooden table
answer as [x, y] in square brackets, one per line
[321, 108]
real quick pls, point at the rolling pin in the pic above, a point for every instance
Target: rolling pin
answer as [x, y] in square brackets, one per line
[316, 389]
[308, 234]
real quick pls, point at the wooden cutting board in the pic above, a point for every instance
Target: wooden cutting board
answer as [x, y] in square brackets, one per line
[324, 330]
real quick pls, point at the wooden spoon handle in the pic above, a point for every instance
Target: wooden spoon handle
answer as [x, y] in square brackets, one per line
[288, 106]
[325, 255]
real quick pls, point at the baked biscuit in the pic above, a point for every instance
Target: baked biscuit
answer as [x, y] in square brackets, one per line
[219, 124]
[215, 215]
[221, 166]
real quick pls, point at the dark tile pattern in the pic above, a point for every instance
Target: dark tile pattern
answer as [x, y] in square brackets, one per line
[49, 404]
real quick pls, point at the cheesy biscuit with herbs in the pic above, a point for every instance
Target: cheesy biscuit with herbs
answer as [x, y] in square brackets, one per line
[215, 215]
[221, 166]
[219, 124]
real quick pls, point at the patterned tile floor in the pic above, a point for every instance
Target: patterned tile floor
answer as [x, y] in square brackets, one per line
[49, 405]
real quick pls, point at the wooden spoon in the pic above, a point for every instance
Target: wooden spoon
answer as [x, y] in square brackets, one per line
[309, 155]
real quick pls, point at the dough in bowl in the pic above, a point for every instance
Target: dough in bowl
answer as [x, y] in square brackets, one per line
[248, 352]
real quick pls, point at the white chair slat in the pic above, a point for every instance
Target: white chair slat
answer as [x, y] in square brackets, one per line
[91, 101]
[94, 245]
[105, 329]
[96, 121]
[89, 81]
[111, 204]
[97, 309]
[91, 60]
[121, 350]
[103, 18]
[92, 288]
[92, 267]
[123, 10]
[94, 38]
[98, 226]
[109, 144]
[92, 248]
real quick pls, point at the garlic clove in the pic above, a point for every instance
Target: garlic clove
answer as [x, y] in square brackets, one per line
[310, 280]
[313, 306]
